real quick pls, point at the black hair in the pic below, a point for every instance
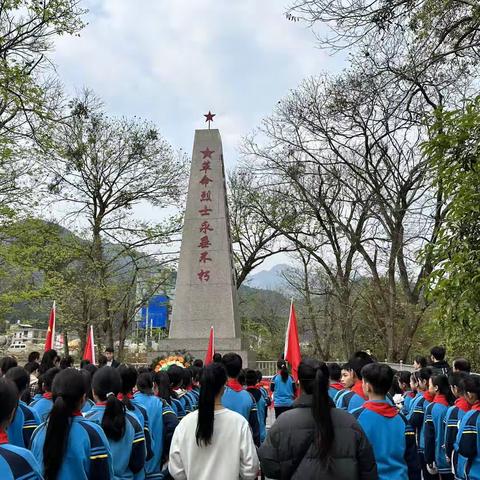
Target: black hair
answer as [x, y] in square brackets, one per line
[462, 365]
[259, 375]
[357, 363]
[187, 378]
[110, 350]
[282, 366]
[91, 368]
[441, 382]
[251, 378]
[213, 380]
[102, 361]
[422, 374]
[143, 370]
[48, 378]
[68, 389]
[335, 372]
[48, 360]
[87, 380]
[6, 363]
[33, 357]
[84, 363]
[66, 362]
[314, 380]
[31, 367]
[422, 361]
[162, 381]
[438, 353]
[19, 377]
[232, 363]
[379, 376]
[404, 377]
[129, 375]
[471, 384]
[217, 357]
[196, 373]
[8, 400]
[106, 385]
[198, 362]
[145, 383]
[241, 377]
[175, 374]
[457, 379]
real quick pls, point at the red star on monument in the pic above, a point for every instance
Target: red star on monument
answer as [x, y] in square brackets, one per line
[209, 118]
[207, 153]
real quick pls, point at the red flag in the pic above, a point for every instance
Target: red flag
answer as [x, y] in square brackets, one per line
[51, 330]
[292, 345]
[211, 348]
[89, 353]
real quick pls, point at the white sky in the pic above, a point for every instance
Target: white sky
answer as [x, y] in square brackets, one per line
[170, 61]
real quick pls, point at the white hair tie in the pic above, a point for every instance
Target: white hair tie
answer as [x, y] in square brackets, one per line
[110, 393]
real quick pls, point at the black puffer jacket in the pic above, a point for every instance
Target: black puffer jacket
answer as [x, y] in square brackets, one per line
[289, 451]
[440, 368]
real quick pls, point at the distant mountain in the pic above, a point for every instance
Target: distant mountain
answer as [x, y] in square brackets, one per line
[270, 279]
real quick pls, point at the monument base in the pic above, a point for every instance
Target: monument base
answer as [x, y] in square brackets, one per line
[197, 347]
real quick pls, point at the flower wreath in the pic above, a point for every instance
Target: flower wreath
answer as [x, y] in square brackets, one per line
[182, 359]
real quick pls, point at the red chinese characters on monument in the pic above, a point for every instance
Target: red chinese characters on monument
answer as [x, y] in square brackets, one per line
[205, 227]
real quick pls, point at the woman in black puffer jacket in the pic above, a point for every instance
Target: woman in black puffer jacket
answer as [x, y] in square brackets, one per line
[315, 440]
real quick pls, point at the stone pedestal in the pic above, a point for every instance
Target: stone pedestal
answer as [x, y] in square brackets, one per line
[206, 293]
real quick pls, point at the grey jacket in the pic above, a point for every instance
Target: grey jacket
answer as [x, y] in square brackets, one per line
[289, 451]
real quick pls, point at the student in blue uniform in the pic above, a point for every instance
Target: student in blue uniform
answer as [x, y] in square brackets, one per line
[123, 430]
[236, 398]
[456, 412]
[392, 438]
[43, 406]
[252, 388]
[25, 420]
[404, 383]
[154, 408]
[434, 430]
[353, 396]
[416, 416]
[264, 391]
[175, 374]
[15, 462]
[68, 446]
[335, 385]
[89, 403]
[283, 388]
[466, 457]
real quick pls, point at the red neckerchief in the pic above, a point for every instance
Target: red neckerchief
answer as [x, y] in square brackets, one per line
[121, 396]
[382, 408]
[428, 396]
[190, 388]
[101, 404]
[462, 404]
[476, 406]
[441, 399]
[77, 413]
[234, 384]
[358, 389]
[47, 395]
[3, 437]
[337, 386]
[410, 394]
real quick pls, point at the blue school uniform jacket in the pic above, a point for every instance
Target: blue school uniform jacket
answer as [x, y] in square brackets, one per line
[348, 400]
[35, 399]
[434, 431]
[452, 421]
[87, 453]
[18, 463]
[89, 404]
[243, 403]
[260, 402]
[334, 390]
[154, 408]
[392, 440]
[416, 418]
[283, 392]
[42, 407]
[142, 417]
[128, 453]
[467, 447]
[23, 425]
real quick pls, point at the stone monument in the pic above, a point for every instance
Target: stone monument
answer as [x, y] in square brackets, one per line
[206, 293]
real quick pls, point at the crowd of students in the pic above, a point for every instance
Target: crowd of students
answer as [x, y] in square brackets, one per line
[360, 420]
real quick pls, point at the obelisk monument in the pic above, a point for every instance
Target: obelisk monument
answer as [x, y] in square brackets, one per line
[205, 293]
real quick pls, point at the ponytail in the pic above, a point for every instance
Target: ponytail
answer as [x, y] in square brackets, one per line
[282, 366]
[314, 380]
[68, 390]
[212, 381]
[128, 375]
[106, 385]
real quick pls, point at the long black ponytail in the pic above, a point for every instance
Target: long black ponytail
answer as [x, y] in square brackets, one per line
[313, 376]
[282, 366]
[106, 385]
[441, 382]
[129, 375]
[68, 390]
[212, 381]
